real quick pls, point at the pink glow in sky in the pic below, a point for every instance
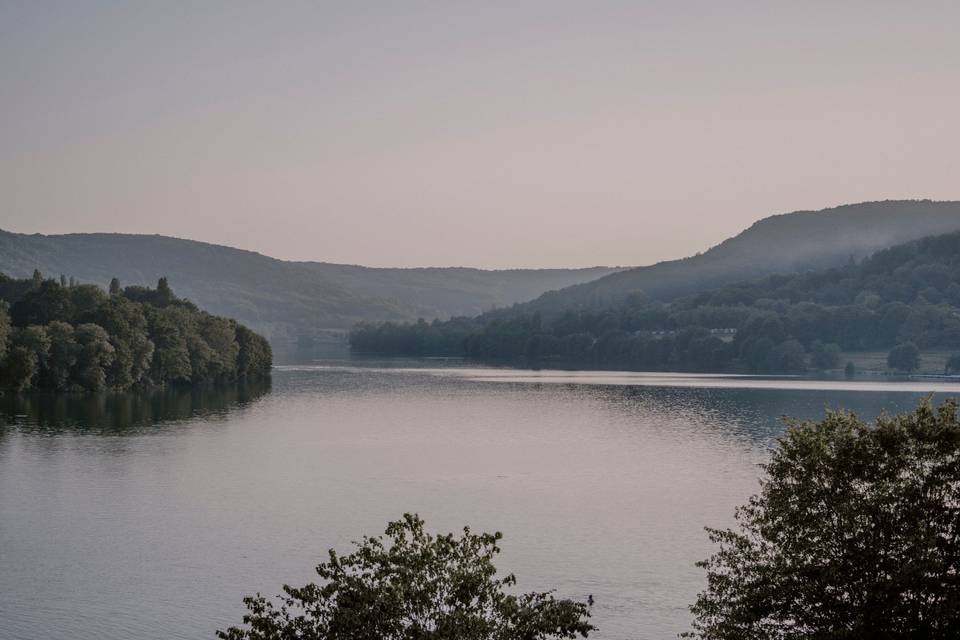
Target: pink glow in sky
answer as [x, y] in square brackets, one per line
[485, 134]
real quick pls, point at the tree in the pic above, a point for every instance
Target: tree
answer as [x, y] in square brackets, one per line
[904, 357]
[5, 330]
[824, 356]
[757, 353]
[114, 286]
[164, 292]
[789, 356]
[43, 304]
[221, 337]
[20, 367]
[853, 535]
[171, 357]
[30, 347]
[62, 356]
[95, 355]
[255, 357]
[85, 299]
[417, 587]
[133, 350]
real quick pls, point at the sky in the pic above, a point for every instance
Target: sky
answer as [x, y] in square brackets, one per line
[488, 134]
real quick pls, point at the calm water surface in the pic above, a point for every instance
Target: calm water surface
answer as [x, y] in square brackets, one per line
[150, 516]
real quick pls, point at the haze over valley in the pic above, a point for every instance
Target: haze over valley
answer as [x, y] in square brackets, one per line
[285, 300]
[290, 301]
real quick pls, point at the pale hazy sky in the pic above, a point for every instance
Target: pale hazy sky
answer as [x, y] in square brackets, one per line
[491, 134]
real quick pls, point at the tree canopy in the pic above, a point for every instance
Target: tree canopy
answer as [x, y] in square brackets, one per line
[415, 586]
[904, 357]
[855, 534]
[76, 337]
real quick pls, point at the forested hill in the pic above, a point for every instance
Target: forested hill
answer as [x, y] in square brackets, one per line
[63, 336]
[906, 297]
[786, 243]
[278, 298]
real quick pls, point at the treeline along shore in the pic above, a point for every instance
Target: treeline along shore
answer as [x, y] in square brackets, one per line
[59, 335]
[904, 299]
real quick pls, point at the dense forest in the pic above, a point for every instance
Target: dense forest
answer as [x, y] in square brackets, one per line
[907, 296]
[60, 335]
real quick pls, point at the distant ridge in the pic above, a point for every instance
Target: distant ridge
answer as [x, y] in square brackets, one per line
[287, 300]
[784, 243]
[283, 300]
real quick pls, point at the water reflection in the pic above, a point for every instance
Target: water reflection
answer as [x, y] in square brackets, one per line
[758, 416]
[120, 413]
[108, 532]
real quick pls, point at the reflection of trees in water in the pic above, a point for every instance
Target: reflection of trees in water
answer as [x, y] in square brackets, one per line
[755, 415]
[126, 412]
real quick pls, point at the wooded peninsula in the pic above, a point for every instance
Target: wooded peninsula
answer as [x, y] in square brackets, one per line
[63, 336]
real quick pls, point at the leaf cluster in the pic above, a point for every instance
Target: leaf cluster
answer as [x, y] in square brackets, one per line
[412, 586]
[854, 534]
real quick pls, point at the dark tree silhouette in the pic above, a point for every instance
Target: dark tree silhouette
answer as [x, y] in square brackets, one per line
[853, 535]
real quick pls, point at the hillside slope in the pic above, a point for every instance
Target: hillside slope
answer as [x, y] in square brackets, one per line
[902, 299]
[281, 299]
[785, 243]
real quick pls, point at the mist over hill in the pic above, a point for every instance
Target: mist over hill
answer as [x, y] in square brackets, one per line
[786, 243]
[286, 300]
[281, 299]
[902, 299]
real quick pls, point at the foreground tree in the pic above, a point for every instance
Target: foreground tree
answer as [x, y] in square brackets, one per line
[853, 535]
[417, 587]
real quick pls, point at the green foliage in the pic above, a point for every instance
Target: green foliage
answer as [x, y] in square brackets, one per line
[769, 326]
[94, 356]
[5, 330]
[164, 293]
[42, 304]
[416, 587]
[824, 356]
[62, 356]
[255, 357]
[79, 338]
[853, 535]
[904, 357]
[133, 349]
[30, 348]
